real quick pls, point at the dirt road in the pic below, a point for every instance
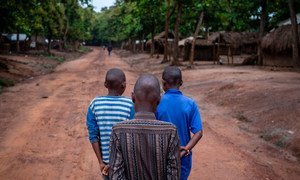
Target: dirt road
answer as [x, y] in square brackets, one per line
[43, 133]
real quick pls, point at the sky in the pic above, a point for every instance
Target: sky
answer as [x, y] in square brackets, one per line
[98, 4]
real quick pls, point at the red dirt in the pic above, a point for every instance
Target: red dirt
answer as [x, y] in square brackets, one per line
[43, 133]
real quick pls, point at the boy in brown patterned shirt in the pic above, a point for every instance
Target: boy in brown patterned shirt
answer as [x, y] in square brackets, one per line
[145, 148]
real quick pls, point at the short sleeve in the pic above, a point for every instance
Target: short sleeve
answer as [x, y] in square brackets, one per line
[196, 122]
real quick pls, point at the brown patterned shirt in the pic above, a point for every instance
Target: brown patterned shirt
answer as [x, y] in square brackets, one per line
[144, 149]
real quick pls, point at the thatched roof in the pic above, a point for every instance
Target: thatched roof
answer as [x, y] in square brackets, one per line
[188, 40]
[214, 36]
[200, 42]
[236, 39]
[279, 40]
[182, 42]
[161, 37]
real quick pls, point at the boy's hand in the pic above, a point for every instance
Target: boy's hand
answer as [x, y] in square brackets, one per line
[184, 151]
[105, 170]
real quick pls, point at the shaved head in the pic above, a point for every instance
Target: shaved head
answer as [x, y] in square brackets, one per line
[172, 75]
[146, 92]
[114, 78]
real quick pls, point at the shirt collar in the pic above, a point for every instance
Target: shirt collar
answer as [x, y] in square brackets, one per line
[173, 91]
[144, 115]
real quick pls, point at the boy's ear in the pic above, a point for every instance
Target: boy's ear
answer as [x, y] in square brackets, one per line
[105, 84]
[158, 101]
[133, 97]
[123, 85]
[180, 83]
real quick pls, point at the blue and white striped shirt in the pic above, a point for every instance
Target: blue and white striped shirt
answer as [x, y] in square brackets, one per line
[103, 113]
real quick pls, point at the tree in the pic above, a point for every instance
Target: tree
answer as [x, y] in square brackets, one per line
[194, 39]
[261, 30]
[167, 21]
[176, 33]
[150, 12]
[15, 17]
[296, 59]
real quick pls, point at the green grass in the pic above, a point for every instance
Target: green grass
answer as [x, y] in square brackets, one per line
[57, 58]
[84, 49]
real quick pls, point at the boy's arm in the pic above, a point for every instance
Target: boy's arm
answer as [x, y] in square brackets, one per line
[196, 128]
[96, 147]
[94, 134]
[194, 140]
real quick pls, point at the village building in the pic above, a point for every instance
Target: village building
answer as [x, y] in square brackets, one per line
[159, 42]
[220, 43]
[277, 47]
[277, 44]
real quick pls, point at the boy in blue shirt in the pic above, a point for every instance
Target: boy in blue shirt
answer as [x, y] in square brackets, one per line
[183, 112]
[106, 111]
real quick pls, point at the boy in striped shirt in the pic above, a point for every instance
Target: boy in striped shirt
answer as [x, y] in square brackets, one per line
[106, 111]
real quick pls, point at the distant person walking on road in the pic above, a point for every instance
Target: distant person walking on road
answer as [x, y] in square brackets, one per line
[183, 112]
[109, 49]
[106, 111]
[145, 148]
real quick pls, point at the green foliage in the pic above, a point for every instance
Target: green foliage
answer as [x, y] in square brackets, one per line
[75, 20]
[53, 57]
[67, 20]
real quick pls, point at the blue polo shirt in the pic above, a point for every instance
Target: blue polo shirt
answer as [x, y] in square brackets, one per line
[183, 112]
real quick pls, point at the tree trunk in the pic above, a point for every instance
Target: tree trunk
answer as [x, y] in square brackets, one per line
[152, 43]
[142, 43]
[168, 15]
[176, 39]
[133, 46]
[296, 60]
[194, 39]
[18, 41]
[49, 42]
[36, 43]
[261, 31]
[65, 35]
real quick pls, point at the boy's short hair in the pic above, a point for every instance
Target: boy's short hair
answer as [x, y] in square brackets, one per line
[114, 78]
[172, 75]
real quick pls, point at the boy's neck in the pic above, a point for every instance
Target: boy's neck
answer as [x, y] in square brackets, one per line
[113, 93]
[174, 87]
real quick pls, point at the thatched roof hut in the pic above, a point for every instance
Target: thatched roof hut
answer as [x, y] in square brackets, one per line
[203, 49]
[159, 41]
[161, 37]
[279, 41]
[236, 39]
[241, 42]
[277, 46]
